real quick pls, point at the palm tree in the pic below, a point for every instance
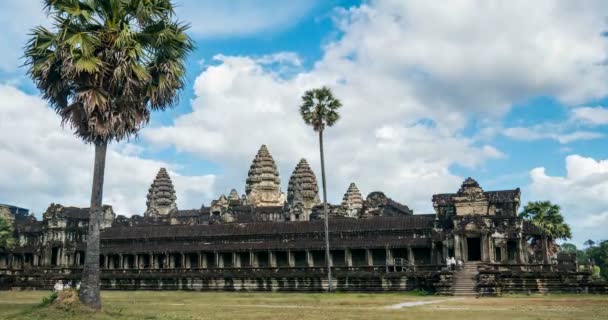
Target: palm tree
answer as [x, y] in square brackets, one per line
[548, 218]
[104, 66]
[589, 243]
[319, 109]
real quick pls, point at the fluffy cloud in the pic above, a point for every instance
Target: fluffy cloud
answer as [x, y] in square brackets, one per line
[582, 193]
[591, 115]
[542, 132]
[43, 163]
[411, 75]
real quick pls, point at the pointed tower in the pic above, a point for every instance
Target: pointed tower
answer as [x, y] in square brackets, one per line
[303, 189]
[352, 202]
[263, 185]
[161, 195]
[234, 196]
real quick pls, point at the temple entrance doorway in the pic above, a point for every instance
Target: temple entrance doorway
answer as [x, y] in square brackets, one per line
[473, 249]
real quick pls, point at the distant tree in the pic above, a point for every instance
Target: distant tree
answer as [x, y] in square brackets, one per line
[598, 254]
[589, 243]
[548, 218]
[319, 109]
[6, 233]
[568, 248]
[104, 67]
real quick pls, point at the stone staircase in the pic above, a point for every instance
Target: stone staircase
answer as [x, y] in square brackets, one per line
[465, 280]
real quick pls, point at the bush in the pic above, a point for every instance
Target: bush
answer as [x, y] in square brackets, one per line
[596, 273]
[48, 300]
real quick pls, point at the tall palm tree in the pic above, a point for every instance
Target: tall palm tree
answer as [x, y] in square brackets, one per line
[104, 66]
[319, 109]
[548, 218]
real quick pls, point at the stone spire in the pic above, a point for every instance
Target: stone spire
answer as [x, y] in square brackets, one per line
[161, 195]
[233, 196]
[303, 188]
[470, 187]
[263, 185]
[352, 202]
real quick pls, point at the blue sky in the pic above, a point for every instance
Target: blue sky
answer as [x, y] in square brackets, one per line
[433, 92]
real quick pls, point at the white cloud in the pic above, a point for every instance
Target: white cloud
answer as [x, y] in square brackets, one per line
[591, 115]
[542, 132]
[582, 193]
[43, 163]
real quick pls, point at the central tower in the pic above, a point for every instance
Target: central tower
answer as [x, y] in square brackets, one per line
[263, 185]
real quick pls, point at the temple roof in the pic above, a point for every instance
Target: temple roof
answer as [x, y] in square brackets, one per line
[500, 196]
[410, 222]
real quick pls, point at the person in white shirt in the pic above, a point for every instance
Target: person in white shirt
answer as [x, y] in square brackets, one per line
[58, 286]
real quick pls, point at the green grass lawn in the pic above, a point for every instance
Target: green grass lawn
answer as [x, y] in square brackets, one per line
[240, 306]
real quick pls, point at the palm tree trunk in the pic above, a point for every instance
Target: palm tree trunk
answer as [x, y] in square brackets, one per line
[89, 289]
[330, 286]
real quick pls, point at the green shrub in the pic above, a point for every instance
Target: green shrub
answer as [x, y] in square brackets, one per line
[596, 273]
[48, 300]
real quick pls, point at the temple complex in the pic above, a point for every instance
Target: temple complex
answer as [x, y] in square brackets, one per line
[266, 240]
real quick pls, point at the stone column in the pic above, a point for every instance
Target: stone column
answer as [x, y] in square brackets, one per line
[504, 255]
[458, 254]
[521, 251]
[348, 256]
[183, 257]
[291, 259]
[484, 248]
[121, 261]
[253, 258]
[389, 256]
[236, 259]
[410, 256]
[370, 257]
[219, 261]
[273, 259]
[309, 258]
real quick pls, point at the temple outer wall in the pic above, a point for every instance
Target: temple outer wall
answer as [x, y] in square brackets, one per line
[437, 282]
[493, 283]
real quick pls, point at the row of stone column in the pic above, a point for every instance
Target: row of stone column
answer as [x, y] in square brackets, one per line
[220, 259]
[59, 257]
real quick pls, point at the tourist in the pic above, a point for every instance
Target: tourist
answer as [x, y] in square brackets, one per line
[459, 264]
[58, 286]
[452, 263]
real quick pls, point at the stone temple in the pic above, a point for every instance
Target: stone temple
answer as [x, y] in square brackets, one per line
[266, 240]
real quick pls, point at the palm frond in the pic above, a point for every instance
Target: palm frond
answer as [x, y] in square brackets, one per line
[106, 64]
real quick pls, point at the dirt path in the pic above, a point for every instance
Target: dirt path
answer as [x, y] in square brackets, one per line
[410, 304]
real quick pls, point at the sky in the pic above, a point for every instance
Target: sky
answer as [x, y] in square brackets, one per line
[511, 93]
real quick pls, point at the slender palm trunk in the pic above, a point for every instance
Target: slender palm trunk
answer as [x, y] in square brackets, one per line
[330, 286]
[89, 289]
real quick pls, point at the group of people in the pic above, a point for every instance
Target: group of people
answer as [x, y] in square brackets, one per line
[454, 264]
[60, 285]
